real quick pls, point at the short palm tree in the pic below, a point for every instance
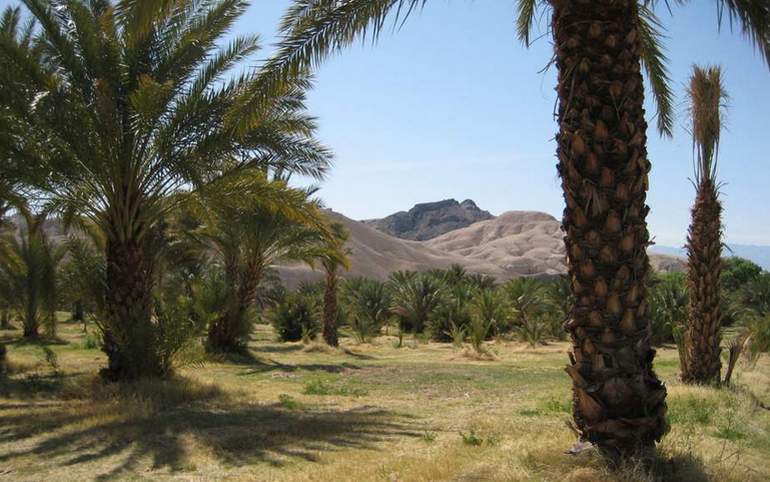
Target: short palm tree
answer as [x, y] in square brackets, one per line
[704, 241]
[29, 264]
[134, 101]
[415, 298]
[368, 304]
[261, 223]
[528, 305]
[600, 50]
[490, 307]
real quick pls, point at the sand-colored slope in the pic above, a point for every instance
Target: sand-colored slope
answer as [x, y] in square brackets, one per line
[375, 254]
[516, 243]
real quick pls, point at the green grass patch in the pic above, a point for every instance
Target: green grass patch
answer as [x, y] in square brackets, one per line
[289, 402]
[321, 387]
[691, 411]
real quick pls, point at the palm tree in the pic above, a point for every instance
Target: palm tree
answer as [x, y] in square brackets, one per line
[129, 104]
[262, 223]
[755, 295]
[28, 273]
[528, 305]
[332, 255]
[415, 298]
[368, 302]
[491, 308]
[704, 241]
[601, 47]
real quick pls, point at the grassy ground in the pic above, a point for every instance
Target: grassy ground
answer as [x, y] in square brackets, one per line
[364, 412]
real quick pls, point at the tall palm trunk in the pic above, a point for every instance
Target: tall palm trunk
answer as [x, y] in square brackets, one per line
[330, 309]
[229, 332]
[619, 403]
[704, 253]
[130, 336]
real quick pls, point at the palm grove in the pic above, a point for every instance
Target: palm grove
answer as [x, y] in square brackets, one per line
[169, 161]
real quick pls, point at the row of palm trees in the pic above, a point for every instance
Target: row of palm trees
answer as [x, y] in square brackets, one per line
[120, 112]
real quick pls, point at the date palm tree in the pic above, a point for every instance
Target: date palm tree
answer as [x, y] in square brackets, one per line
[261, 223]
[704, 241]
[332, 255]
[600, 49]
[130, 102]
[29, 263]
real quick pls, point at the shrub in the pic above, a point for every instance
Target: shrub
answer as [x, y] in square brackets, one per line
[667, 298]
[457, 334]
[288, 402]
[176, 330]
[295, 317]
[559, 299]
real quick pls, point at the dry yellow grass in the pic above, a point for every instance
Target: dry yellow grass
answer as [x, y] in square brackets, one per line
[358, 413]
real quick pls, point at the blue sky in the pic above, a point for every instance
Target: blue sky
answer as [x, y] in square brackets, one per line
[452, 105]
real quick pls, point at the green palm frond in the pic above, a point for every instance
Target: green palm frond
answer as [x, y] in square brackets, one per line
[753, 17]
[527, 10]
[654, 61]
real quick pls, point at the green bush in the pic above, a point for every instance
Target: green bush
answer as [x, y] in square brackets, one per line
[667, 298]
[416, 297]
[367, 307]
[296, 316]
[452, 312]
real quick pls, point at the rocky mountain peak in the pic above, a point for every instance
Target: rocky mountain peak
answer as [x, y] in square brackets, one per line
[428, 220]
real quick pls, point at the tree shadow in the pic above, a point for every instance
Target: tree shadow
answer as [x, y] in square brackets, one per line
[276, 348]
[268, 365]
[235, 434]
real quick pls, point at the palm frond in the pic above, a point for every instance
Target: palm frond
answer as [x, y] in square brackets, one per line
[654, 61]
[707, 103]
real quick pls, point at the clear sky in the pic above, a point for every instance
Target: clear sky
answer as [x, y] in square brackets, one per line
[452, 105]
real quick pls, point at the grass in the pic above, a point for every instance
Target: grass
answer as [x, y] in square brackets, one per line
[363, 412]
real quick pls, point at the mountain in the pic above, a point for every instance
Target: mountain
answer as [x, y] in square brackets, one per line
[757, 253]
[516, 243]
[428, 220]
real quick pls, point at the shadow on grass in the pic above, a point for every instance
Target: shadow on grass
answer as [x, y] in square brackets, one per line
[141, 423]
[264, 366]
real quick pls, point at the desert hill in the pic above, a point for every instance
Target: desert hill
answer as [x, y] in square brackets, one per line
[516, 243]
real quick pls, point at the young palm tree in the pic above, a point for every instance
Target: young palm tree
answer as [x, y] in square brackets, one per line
[332, 255]
[704, 241]
[491, 308]
[129, 104]
[29, 273]
[600, 47]
[415, 298]
[528, 305]
[368, 302]
[262, 223]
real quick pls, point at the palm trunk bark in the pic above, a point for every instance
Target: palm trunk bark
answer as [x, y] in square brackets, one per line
[704, 253]
[130, 336]
[229, 332]
[619, 403]
[330, 309]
